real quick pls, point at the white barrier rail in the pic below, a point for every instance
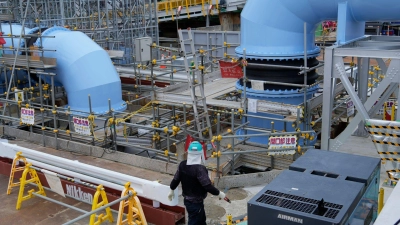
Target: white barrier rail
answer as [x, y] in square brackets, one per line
[148, 189]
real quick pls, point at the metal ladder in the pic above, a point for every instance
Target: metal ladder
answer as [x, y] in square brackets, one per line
[195, 76]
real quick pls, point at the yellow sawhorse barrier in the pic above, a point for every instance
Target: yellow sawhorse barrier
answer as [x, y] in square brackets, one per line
[14, 169]
[23, 181]
[96, 204]
[135, 214]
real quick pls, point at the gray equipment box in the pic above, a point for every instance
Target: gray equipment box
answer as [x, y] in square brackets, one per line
[321, 187]
[142, 49]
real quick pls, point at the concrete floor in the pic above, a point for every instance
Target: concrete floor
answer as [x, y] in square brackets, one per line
[37, 211]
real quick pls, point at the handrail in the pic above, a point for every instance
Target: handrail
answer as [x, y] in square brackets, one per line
[173, 4]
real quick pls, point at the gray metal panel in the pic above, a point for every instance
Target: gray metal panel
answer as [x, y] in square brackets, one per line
[214, 39]
[142, 49]
[338, 163]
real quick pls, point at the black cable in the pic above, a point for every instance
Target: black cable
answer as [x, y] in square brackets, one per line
[107, 150]
[398, 222]
[10, 138]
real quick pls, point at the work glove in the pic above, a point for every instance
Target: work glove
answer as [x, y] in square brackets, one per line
[171, 195]
[221, 195]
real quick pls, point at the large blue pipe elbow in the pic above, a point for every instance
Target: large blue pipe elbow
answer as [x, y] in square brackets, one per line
[83, 68]
[274, 29]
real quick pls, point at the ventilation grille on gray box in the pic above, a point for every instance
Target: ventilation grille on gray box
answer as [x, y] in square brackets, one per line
[297, 203]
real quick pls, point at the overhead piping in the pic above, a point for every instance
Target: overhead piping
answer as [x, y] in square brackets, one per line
[274, 29]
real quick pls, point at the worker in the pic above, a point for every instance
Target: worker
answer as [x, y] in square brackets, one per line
[195, 184]
[2, 42]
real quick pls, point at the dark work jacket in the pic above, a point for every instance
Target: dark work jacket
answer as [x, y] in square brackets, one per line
[195, 182]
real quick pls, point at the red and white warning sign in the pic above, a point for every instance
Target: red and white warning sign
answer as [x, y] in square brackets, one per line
[282, 142]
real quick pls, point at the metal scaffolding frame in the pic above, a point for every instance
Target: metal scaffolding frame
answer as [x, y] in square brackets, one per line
[169, 121]
[112, 24]
[372, 47]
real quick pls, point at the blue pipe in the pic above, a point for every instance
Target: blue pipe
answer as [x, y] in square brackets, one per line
[83, 68]
[274, 29]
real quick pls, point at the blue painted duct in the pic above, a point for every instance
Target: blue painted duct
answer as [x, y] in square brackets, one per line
[274, 29]
[272, 32]
[83, 68]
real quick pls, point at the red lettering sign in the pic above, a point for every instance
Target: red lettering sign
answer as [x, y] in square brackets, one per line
[230, 69]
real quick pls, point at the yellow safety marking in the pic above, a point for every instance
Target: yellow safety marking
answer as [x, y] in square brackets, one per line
[96, 204]
[391, 159]
[388, 153]
[382, 134]
[135, 213]
[386, 143]
[384, 127]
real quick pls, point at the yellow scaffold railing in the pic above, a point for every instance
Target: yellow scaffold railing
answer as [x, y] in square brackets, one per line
[169, 5]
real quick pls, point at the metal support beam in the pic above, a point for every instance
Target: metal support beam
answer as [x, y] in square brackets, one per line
[363, 69]
[349, 88]
[327, 99]
[385, 85]
[382, 65]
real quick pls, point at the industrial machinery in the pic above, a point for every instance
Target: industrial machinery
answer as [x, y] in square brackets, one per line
[321, 187]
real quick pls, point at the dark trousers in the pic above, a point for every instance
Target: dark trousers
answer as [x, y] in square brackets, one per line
[197, 215]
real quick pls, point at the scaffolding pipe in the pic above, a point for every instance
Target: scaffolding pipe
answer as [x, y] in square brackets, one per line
[99, 209]
[266, 150]
[60, 203]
